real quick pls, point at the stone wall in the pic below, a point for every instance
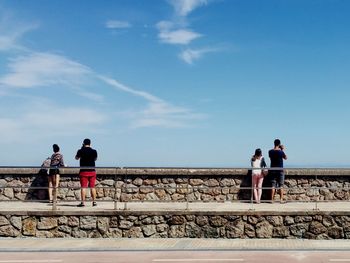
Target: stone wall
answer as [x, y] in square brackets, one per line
[307, 225]
[162, 184]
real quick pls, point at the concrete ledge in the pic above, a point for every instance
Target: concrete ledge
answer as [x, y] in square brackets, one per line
[178, 171]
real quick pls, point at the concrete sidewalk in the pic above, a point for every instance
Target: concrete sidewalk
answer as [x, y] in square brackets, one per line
[108, 206]
[155, 244]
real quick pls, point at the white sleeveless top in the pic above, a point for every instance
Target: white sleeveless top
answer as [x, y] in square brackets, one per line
[256, 164]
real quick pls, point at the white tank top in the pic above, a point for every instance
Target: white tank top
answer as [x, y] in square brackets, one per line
[256, 164]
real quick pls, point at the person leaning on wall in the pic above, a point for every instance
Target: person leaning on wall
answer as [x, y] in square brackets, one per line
[54, 172]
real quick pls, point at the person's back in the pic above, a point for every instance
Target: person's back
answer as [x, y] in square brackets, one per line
[276, 157]
[88, 157]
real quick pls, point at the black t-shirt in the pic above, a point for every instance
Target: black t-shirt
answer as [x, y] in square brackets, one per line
[276, 157]
[87, 157]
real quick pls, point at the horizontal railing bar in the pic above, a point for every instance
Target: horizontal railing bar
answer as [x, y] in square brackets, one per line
[180, 168]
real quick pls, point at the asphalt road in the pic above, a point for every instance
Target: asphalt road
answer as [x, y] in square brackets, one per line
[270, 256]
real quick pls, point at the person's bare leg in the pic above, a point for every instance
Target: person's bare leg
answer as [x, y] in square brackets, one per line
[57, 180]
[273, 190]
[282, 194]
[83, 194]
[50, 179]
[93, 194]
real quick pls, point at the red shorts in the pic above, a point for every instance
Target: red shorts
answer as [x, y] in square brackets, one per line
[87, 179]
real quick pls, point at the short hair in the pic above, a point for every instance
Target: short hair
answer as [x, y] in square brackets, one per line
[55, 148]
[87, 142]
[277, 142]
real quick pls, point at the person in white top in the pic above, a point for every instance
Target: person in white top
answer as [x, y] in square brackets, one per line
[257, 162]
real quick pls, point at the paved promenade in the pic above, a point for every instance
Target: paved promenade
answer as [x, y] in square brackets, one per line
[151, 244]
[339, 206]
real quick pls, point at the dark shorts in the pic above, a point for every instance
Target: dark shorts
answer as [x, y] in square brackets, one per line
[54, 171]
[277, 179]
[87, 179]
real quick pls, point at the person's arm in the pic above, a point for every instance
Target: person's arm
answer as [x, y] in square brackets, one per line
[285, 156]
[96, 156]
[77, 156]
[61, 161]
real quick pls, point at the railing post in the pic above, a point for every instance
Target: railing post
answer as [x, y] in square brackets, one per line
[188, 188]
[316, 196]
[124, 186]
[252, 192]
[115, 189]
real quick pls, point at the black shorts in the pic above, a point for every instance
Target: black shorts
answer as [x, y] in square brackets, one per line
[277, 178]
[54, 171]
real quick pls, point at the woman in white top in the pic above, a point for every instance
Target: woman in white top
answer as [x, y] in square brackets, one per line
[257, 162]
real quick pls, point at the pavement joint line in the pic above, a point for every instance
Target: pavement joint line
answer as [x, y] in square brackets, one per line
[197, 259]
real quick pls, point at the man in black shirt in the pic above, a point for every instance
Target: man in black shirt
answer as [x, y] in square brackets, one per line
[277, 156]
[87, 157]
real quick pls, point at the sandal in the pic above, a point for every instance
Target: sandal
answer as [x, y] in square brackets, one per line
[94, 203]
[81, 205]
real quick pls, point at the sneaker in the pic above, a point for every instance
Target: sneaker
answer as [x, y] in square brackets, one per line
[94, 204]
[81, 205]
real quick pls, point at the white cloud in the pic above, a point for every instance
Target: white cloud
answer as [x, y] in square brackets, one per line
[46, 69]
[158, 112]
[180, 36]
[11, 32]
[37, 123]
[117, 24]
[43, 69]
[176, 32]
[184, 7]
[189, 55]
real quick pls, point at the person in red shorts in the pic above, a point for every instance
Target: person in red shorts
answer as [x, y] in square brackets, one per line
[87, 157]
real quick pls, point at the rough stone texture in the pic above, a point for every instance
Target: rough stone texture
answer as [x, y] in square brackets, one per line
[8, 231]
[29, 226]
[88, 222]
[3, 221]
[204, 185]
[46, 223]
[264, 230]
[171, 184]
[318, 226]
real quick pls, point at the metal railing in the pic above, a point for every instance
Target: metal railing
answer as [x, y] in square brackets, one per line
[182, 187]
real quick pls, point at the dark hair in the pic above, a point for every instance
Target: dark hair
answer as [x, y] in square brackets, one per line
[257, 154]
[56, 148]
[277, 142]
[87, 142]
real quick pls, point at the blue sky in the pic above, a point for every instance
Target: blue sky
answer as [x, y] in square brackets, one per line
[175, 83]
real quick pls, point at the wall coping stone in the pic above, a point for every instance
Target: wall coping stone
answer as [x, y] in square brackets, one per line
[161, 171]
[171, 212]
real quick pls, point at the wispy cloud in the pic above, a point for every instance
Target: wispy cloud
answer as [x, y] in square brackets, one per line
[12, 30]
[9, 37]
[190, 55]
[117, 24]
[158, 111]
[176, 32]
[43, 69]
[53, 121]
[180, 36]
[184, 7]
